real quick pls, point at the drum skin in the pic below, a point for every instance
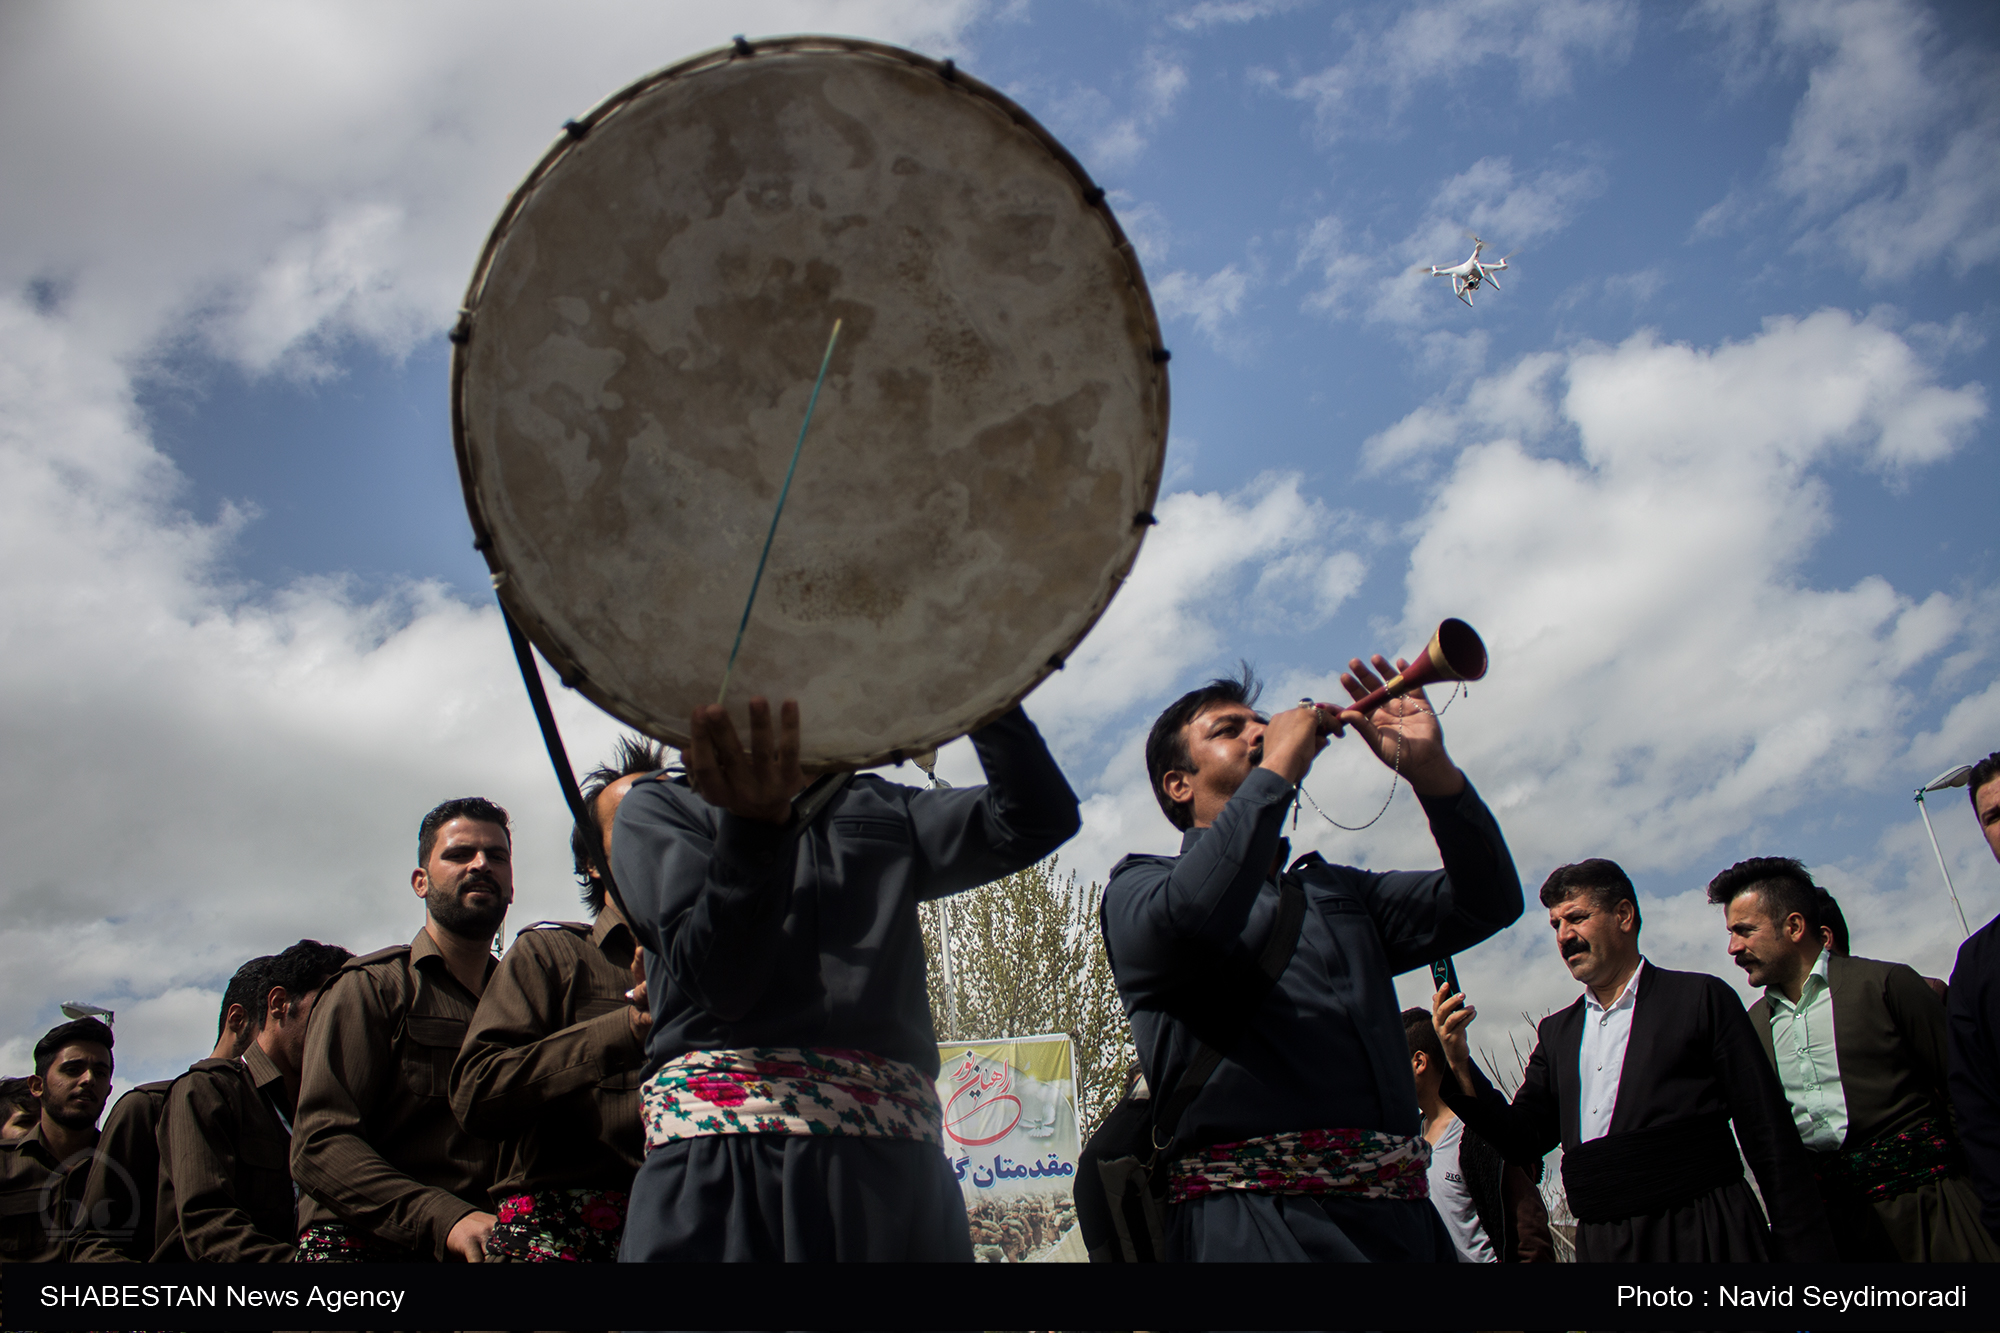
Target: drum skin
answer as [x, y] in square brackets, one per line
[640, 340]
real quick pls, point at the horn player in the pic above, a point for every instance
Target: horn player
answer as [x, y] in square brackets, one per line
[1304, 1142]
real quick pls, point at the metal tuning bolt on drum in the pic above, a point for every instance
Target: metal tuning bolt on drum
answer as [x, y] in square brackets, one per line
[640, 341]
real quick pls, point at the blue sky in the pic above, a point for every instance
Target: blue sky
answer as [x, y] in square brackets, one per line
[1712, 472]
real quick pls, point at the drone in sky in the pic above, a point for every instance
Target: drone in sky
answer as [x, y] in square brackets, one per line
[1467, 277]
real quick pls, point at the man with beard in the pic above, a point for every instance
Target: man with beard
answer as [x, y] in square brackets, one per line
[225, 1139]
[1860, 1048]
[1640, 1082]
[121, 1199]
[551, 1065]
[387, 1170]
[42, 1172]
[1302, 1143]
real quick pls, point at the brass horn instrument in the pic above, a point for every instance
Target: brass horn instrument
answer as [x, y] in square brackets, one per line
[1455, 652]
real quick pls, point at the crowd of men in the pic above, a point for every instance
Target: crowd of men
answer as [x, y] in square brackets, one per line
[734, 1059]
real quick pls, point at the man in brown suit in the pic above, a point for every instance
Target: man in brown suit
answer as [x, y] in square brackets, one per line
[120, 1210]
[42, 1171]
[225, 1193]
[1860, 1048]
[551, 1064]
[387, 1170]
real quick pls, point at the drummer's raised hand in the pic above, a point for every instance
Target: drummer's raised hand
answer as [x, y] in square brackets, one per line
[1406, 723]
[759, 783]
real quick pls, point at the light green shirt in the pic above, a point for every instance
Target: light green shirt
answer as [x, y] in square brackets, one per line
[1808, 1065]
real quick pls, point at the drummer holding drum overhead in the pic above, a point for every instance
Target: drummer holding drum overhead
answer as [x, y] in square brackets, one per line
[1303, 1142]
[793, 1114]
[807, 369]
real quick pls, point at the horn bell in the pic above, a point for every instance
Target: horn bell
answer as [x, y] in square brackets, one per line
[1455, 652]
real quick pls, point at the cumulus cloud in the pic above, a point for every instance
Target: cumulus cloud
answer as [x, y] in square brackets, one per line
[1388, 60]
[1380, 281]
[1627, 526]
[1113, 132]
[274, 175]
[1889, 162]
[192, 778]
[1208, 303]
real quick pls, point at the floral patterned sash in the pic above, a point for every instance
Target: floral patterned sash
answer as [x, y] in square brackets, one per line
[790, 1090]
[1895, 1163]
[1364, 1162]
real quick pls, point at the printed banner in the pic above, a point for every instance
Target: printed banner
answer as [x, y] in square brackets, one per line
[1010, 1135]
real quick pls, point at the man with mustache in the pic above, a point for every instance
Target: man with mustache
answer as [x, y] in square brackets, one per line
[551, 1064]
[1640, 1082]
[1973, 1017]
[1261, 997]
[43, 1171]
[120, 1200]
[387, 1170]
[1860, 1048]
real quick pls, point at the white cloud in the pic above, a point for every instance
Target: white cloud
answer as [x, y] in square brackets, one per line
[1113, 133]
[1209, 302]
[282, 174]
[1890, 158]
[1381, 282]
[1215, 564]
[1441, 43]
[1211, 13]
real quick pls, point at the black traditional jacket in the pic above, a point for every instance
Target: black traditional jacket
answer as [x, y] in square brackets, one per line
[1324, 1048]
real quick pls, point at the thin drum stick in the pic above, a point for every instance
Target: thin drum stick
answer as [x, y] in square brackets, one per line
[811, 403]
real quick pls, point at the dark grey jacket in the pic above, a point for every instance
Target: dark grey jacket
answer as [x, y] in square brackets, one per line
[1324, 1048]
[764, 935]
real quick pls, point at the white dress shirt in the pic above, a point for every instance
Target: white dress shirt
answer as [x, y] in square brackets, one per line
[1808, 1060]
[1601, 1058]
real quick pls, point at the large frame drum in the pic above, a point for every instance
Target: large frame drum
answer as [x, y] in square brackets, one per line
[640, 339]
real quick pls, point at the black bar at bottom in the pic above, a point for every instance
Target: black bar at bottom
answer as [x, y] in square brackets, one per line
[998, 1296]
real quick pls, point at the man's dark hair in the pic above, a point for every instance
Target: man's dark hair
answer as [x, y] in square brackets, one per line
[1422, 1035]
[465, 807]
[632, 754]
[302, 970]
[1983, 772]
[1781, 882]
[75, 1032]
[16, 1099]
[246, 989]
[1166, 744]
[1605, 882]
[1830, 918]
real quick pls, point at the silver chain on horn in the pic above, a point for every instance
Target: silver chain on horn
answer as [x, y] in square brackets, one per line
[1395, 772]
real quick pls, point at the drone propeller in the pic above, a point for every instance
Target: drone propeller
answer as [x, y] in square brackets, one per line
[1470, 236]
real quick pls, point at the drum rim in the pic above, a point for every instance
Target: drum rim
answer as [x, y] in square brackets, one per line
[576, 132]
